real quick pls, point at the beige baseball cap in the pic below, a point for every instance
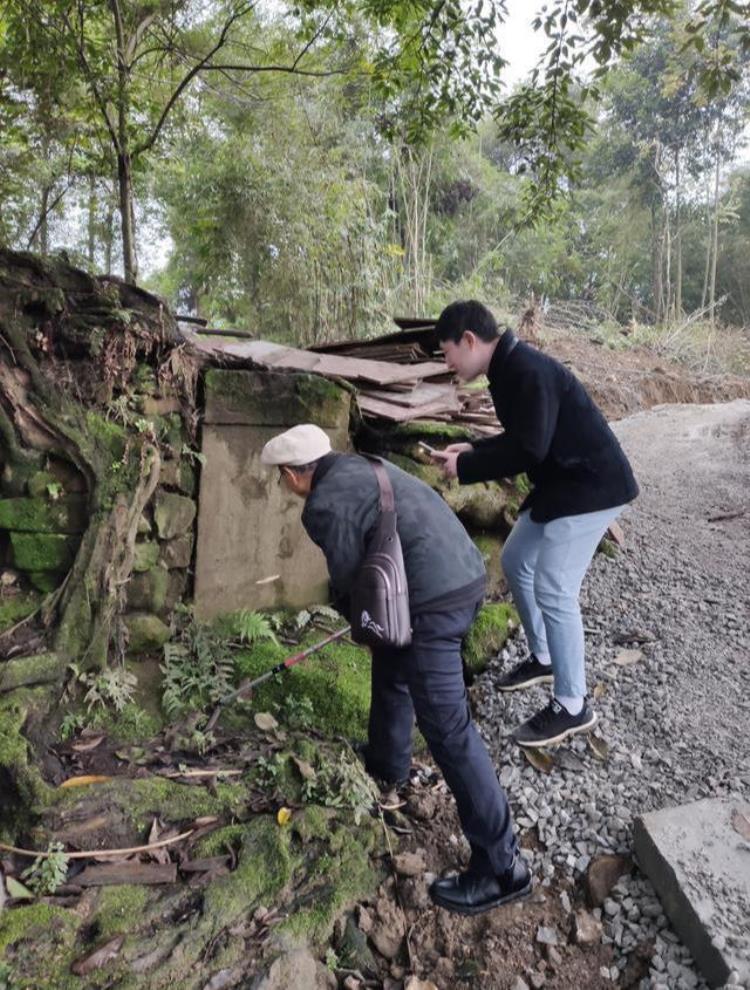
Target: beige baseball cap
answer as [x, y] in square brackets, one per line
[300, 445]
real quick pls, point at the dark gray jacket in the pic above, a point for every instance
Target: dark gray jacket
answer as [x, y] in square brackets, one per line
[444, 569]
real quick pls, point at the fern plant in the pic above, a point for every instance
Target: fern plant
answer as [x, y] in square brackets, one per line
[47, 873]
[198, 670]
[113, 686]
[252, 627]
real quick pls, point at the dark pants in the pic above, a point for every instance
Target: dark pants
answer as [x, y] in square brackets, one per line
[426, 679]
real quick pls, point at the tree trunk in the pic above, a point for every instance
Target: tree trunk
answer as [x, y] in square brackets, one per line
[47, 410]
[707, 266]
[678, 239]
[714, 243]
[657, 239]
[91, 227]
[40, 238]
[127, 216]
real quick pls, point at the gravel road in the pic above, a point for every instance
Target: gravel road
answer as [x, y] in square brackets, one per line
[674, 709]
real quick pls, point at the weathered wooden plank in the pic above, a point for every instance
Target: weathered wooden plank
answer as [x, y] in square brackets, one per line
[398, 413]
[109, 874]
[270, 355]
[418, 396]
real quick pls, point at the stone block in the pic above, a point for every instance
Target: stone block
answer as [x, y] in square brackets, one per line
[177, 552]
[250, 529]
[46, 581]
[173, 514]
[264, 398]
[38, 484]
[176, 588]
[146, 555]
[147, 591]
[42, 668]
[146, 632]
[696, 856]
[43, 551]
[602, 874]
[151, 406]
[180, 474]
[41, 515]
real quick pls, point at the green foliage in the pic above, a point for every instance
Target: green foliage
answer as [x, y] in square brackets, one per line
[73, 722]
[198, 669]
[342, 783]
[113, 686]
[7, 982]
[297, 711]
[252, 627]
[47, 873]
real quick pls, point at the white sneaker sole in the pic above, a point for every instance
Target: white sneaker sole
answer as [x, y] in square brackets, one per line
[542, 679]
[539, 743]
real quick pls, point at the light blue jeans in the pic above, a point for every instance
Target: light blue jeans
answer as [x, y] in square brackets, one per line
[544, 564]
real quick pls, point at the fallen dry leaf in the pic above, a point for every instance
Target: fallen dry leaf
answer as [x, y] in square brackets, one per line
[266, 722]
[87, 743]
[598, 747]
[307, 771]
[414, 983]
[540, 759]
[627, 657]
[204, 820]
[741, 823]
[98, 958]
[18, 890]
[156, 832]
[600, 690]
[91, 778]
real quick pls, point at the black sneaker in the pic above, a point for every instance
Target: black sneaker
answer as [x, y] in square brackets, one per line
[553, 724]
[472, 893]
[525, 674]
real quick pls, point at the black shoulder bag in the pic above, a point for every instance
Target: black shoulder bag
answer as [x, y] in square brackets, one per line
[380, 595]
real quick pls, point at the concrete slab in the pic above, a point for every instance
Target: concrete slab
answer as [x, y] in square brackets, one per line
[249, 527]
[698, 858]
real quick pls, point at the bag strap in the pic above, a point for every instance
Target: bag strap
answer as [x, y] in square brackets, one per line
[387, 501]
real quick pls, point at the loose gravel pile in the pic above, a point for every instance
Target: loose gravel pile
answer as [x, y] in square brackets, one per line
[668, 648]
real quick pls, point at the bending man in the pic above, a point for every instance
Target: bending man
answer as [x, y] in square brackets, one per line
[581, 480]
[446, 578]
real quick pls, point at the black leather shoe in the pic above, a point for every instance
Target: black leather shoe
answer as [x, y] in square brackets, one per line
[473, 893]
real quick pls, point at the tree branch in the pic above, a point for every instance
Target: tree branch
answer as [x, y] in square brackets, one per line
[89, 74]
[189, 76]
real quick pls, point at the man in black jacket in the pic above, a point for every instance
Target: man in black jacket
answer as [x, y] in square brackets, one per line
[581, 480]
[446, 578]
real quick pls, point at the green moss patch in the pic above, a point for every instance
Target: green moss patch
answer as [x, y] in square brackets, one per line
[336, 681]
[40, 515]
[17, 607]
[146, 632]
[491, 628]
[129, 806]
[145, 556]
[40, 668]
[20, 782]
[43, 551]
[259, 398]
[120, 909]
[37, 940]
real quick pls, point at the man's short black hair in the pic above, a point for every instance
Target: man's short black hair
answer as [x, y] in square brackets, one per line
[465, 315]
